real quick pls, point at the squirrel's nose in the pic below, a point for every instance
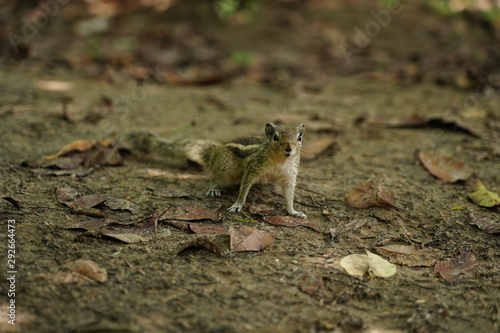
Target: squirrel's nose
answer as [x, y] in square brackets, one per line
[288, 148]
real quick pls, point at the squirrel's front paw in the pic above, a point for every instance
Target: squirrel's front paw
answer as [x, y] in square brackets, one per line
[213, 192]
[236, 208]
[300, 215]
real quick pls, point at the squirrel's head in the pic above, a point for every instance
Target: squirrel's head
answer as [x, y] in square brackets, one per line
[286, 141]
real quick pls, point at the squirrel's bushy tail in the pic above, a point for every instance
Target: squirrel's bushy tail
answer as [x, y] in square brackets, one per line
[172, 149]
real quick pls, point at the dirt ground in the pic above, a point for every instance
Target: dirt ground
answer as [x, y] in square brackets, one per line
[296, 283]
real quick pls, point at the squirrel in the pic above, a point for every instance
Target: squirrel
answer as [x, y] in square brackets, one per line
[275, 159]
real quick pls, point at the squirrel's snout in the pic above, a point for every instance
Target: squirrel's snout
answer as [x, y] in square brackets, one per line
[288, 148]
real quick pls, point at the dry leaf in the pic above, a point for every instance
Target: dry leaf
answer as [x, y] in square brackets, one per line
[141, 231]
[409, 255]
[121, 204]
[11, 200]
[484, 198]
[370, 194]
[378, 266]
[89, 269]
[249, 239]
[444, 167]
[207, 228]
[69, 197]
[464, 263]
[355, 264]
[486, 224]
[360, 264]
[80, 271]
[79, 146]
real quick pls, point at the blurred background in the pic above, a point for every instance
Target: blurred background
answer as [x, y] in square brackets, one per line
[276, 43]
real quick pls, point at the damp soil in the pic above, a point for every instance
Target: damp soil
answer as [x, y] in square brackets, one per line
[296, 283]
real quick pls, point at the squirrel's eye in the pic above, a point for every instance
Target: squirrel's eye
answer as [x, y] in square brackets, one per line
[299, 138]
[276, 137]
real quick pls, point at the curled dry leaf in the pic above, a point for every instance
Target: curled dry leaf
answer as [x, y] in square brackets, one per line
[80, 146]
[360, 264]
[370, 194]
[249, 239]
[444, 167]
[11, 200]
[484, 198]
[464, 263]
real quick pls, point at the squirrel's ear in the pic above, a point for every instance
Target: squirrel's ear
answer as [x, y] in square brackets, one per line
[301, 128]
[270, 129]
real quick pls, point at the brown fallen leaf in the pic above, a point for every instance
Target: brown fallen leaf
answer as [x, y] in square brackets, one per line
[289, 221]
[121, 204]
[371, 193]
[409, 255]
[317, 148]
[207, 228]
[103, 156]
[79, 158]
[79, 271]
[464, 263]
[141, 231]
[70, 197]
[444, 167]
[248, 239]
[90, 269]
[486, 224]
[190, 213]
[11, 200]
